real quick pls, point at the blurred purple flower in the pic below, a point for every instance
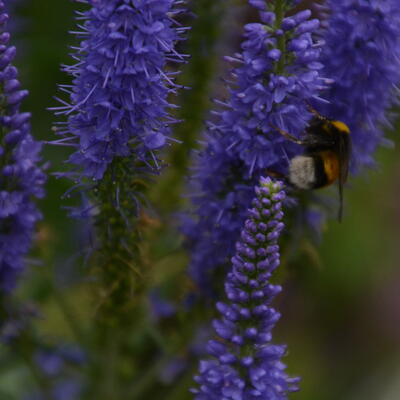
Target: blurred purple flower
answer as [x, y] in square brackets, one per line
[67, 389]
[63, 382]
[246, 366]
[160, 307]
[362, 55]
[15, 321]
[118, 99]
[173, 369]
[53, 360]
[21, 179]
[49, 361]
[17, 23]
[57, 365]
[271, 89]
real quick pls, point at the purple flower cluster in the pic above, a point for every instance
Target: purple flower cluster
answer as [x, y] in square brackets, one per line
[362, 55]
[118, 99]
[278, 74]
[246, 365]
[57, 366]
[21, 179]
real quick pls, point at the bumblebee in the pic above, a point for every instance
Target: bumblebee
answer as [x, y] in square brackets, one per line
[327, 149]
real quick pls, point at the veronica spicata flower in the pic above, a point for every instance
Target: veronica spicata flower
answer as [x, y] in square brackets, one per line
[362, 55]
[118, 99]
[246, 366]
[59, 366]
[21, 179]
[278, 74]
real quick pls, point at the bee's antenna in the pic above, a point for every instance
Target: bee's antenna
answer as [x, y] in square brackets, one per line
[287, 135]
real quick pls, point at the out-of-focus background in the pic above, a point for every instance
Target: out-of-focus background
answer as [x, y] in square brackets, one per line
[341, 300]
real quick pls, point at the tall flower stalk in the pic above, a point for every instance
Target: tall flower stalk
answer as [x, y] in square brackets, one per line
[245, 364]
[277, 74]
[117, 123]
[21, 177]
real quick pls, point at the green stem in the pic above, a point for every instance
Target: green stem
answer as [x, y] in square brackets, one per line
[69, 316]
[122, 276]
[281, 41]
[109, 386]
[147, 380]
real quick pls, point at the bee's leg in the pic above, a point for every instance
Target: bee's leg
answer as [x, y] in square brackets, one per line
[274, 174]
[315, 112]
[288, 136]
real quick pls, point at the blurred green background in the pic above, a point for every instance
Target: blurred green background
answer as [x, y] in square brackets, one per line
[341, 301]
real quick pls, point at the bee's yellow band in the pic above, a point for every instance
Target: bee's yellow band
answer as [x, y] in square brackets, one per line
[341, 126]
[331, 166]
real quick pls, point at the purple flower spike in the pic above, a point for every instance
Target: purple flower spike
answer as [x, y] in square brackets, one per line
[362, 55]
[246, 366]
[118, 99]
[276, 76]
[21, 179]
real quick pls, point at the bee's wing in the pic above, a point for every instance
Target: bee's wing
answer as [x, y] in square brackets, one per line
[340, 184]
[344, 157]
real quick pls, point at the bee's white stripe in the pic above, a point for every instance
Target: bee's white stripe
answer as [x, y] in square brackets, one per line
[302, 172]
